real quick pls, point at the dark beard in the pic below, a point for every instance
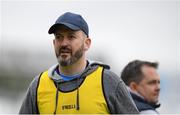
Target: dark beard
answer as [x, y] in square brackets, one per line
[74, 58]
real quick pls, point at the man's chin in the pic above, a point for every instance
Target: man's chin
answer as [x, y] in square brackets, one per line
[64, 62]
[155, 101]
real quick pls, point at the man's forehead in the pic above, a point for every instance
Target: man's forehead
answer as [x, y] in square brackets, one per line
[148, 68]
[150, 72]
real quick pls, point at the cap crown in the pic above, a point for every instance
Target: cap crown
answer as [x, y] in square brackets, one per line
[72, 21]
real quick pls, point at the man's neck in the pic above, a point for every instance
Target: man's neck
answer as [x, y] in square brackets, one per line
[75, 68]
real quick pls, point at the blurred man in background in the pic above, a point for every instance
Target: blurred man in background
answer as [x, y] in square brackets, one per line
[76, 85]
[143, 82]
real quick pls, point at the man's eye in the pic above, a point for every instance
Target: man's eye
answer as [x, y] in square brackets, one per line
[72, 37]
[152, 82]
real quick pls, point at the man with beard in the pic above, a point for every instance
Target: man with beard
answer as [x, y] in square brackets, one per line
[143, 81]
[76, 85]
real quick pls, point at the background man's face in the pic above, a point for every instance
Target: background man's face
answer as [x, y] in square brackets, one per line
[149, 87]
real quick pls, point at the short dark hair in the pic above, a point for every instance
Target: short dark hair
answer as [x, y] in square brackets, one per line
[132, 71]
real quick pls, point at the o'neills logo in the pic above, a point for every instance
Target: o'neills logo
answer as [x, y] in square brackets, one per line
[68, 107]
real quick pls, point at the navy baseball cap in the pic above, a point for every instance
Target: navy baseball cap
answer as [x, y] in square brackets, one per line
[72, 21]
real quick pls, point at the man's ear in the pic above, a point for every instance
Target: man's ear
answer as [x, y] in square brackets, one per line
[87, 44]
[133, 86]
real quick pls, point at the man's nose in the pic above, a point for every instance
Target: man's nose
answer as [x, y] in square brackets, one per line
[158, 87]
[64, 42]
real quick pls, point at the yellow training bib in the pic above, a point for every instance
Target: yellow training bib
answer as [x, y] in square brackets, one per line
[91, 96]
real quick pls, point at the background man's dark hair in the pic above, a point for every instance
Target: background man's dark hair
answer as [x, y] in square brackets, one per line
[132, 71]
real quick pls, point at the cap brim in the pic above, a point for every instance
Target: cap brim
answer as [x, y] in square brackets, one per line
[54, 27]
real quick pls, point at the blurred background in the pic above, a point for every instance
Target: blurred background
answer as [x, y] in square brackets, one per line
[121, 31]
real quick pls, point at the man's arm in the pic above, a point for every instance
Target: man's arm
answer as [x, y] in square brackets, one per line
[118, 98]
[29, 105]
